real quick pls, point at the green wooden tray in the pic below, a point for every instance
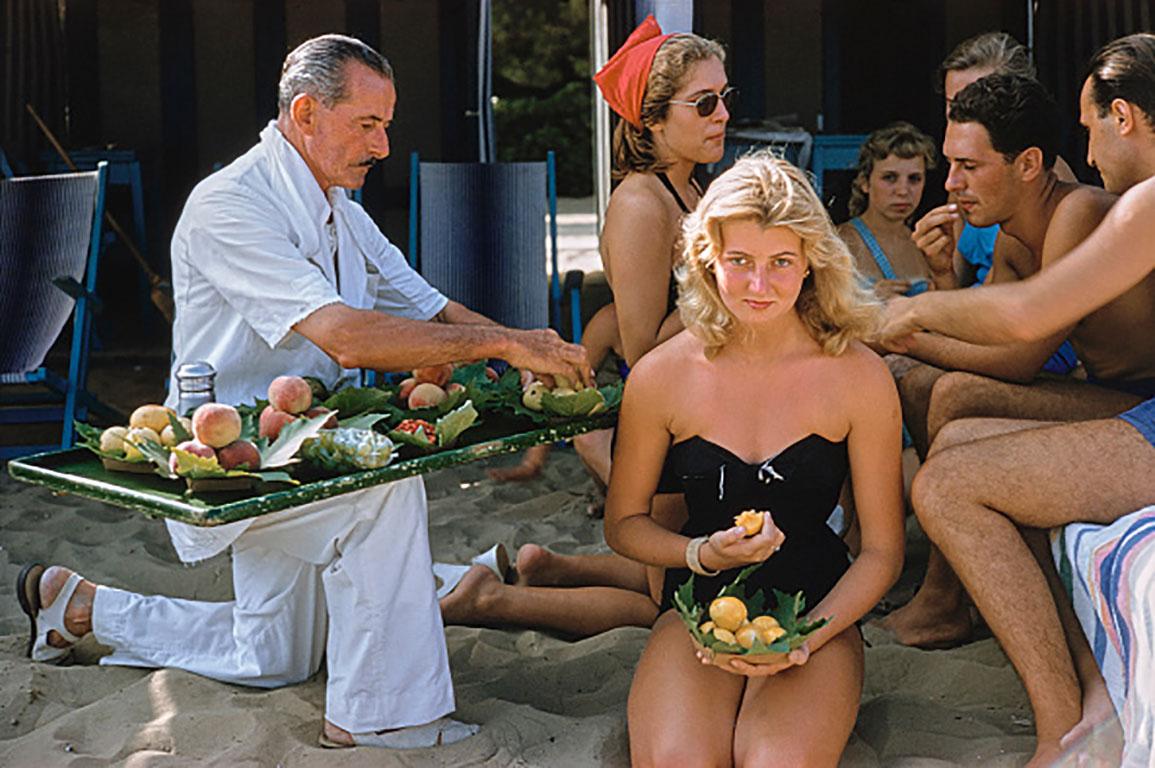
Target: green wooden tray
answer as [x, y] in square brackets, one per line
[80, 472]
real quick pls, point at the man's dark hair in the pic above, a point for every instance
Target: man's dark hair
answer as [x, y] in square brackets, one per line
[1125, 69]
[1017, 112]
[317, 67]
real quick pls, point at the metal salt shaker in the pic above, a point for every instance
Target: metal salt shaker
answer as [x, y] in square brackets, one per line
[194, 383]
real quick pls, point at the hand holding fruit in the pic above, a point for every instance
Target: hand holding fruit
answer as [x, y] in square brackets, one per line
[735, 666]
[736, 547]
[546, 352]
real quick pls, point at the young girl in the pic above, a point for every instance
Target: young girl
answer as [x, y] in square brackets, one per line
[763, 403]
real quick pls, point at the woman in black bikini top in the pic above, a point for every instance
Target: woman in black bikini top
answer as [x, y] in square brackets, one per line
[763, 403]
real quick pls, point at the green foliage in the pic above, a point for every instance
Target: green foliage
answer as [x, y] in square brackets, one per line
[543, 87]
[787, 611]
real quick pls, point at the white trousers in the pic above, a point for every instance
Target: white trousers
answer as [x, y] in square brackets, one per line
[358, 564]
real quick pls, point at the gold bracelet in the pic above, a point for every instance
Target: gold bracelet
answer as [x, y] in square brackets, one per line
[692, 549]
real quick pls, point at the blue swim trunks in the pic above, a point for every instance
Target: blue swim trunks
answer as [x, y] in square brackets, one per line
[1142, 418]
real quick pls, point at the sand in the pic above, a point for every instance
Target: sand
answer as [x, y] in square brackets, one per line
[542, 700]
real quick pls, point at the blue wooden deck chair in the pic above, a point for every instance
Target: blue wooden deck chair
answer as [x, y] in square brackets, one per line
[478, 233]
[50, 229]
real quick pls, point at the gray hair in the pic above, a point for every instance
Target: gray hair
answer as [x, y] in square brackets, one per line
[317, 67]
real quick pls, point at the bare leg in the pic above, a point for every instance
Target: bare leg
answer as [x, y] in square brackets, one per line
[482, 600]
[538, 567]
[593, 448]
[915, 382]
[1099, 719]
[784, 721]
[680, 712]
[959, 395]
[938, 616]
[529, 468]
[970, 504]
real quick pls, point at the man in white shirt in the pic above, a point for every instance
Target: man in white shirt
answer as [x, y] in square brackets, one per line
[276, 271]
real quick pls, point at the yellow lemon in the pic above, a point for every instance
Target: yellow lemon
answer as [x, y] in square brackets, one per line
[751, 520]
[725, 635]
[729, 613]
[747, 635]
[706, 628]
[765, 622]
[770, 634]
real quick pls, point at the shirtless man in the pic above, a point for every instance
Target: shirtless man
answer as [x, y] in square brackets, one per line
[1018, 190]
[1091, 471]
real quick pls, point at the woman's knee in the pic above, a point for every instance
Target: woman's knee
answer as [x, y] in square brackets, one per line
[764, 754]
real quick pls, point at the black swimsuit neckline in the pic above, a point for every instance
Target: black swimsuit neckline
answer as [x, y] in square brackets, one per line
[800, 441]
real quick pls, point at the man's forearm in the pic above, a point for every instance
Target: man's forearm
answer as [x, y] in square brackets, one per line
[1010, 362]
[458, 314]
[381, 342]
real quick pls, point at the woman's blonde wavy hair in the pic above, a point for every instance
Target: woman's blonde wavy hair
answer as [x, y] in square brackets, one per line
[634, 150]
[762, 187]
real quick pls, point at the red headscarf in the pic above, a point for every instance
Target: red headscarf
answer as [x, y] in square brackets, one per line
[623, 79]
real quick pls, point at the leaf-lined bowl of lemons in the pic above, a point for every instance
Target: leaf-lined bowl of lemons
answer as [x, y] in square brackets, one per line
[734, 626]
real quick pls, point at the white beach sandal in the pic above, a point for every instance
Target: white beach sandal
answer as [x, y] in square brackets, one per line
[440, 733]
[449, 575]
[44, 620]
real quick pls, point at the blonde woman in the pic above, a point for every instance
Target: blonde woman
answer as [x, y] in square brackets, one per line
[764, 402]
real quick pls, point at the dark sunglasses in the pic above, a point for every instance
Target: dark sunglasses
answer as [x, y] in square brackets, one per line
[708, 102]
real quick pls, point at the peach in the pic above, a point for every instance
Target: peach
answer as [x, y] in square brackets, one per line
[406, 389]
[491, 374]
[155, 417]
[434, 374]
[216, 424]
[193, 447]
[239, 454]
[454, 387]
[426, 395]
[272, 422]
[330, 423]
[290, 394]
[112, 440]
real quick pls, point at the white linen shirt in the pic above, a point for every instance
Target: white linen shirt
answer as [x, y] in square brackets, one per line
[251, 257]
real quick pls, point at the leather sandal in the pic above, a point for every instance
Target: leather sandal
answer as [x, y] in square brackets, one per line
[42, 620]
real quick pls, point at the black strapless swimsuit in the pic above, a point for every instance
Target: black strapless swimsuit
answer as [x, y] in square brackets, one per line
[799, 487]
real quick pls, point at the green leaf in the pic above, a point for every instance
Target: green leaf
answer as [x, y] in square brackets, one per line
[364, 421]
[289, 441]
[612, 393]
[452, 424]
[158, 455]
[577, 404]
[272, 477]
[354, 401]
[196, 467]
[180, 433]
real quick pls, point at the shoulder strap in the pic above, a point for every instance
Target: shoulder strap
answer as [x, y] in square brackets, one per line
[874, 248]
[670, 186]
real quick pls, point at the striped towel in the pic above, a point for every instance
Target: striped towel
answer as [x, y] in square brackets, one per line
[1110, 573]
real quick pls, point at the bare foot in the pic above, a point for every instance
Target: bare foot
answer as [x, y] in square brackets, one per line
[471, 602]
[533, 566]
[928, 621]
[529, 468]
[1098, 733]
[1047, 754]
[337, 735]
[78, 612]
